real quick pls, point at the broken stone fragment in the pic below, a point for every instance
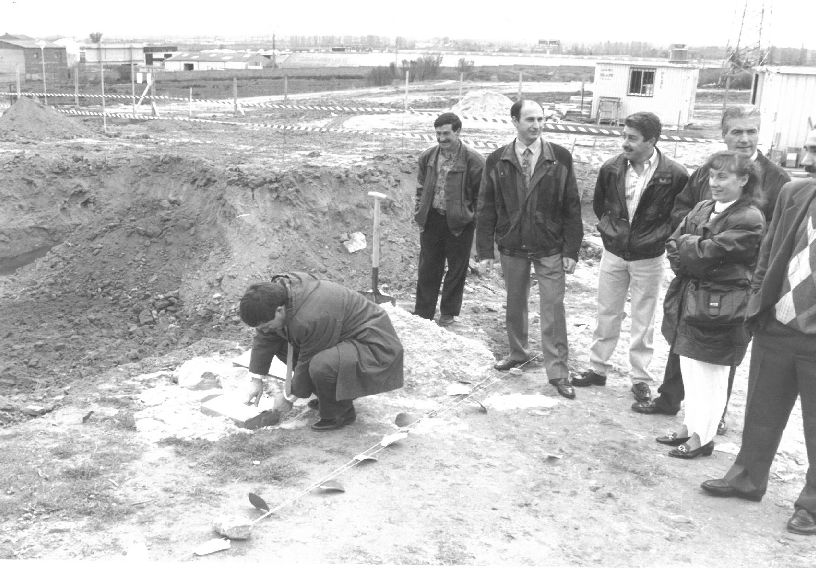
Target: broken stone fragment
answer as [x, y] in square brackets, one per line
[233, 528]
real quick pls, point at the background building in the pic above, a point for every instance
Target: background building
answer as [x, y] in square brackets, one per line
[25, 55]
[663, 87]
[786, 97]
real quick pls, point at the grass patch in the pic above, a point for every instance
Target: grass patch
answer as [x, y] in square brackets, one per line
[70, 474]
[233, 458]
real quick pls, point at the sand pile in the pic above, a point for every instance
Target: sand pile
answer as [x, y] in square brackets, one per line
[30, 119]
[484, 103]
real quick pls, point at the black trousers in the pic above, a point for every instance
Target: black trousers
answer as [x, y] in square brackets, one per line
[672, 391]
[783, 366]
[436, 246]
[322, 381]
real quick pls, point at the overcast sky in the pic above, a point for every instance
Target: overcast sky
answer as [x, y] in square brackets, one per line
[787, 23]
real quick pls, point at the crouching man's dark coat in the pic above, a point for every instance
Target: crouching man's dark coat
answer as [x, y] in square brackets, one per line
[321, 315]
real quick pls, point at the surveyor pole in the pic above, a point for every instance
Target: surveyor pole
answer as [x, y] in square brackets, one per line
[102, 84]
[407, 73]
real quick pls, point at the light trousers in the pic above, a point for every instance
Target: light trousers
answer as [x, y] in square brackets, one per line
[706, 390]
[618, 279]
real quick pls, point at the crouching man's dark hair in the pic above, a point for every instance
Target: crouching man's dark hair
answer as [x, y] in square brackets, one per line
[260, 301]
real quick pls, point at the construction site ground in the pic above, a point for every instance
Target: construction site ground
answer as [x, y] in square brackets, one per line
[122, 257]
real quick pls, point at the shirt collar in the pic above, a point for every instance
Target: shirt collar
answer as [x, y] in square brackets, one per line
[652, 161]
[754, 155]
[720, 206]
[534, 147]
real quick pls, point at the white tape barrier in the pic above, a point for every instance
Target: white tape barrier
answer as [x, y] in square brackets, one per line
[548, 126]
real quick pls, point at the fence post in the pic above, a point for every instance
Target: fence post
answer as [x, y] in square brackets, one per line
[461, 81]
[18, 82]
[102, 83]
[407, 73]
[285, 88]
[190, 104]
[76, 86]
[235, 96]
[521, 73]
[132, 82]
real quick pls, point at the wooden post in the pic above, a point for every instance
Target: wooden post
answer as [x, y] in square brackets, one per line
[461, 80]
[235, 95]
[582, 98]
[190, 104]
[521, 79]
[18, 82]
[727, 87]
[102, 84]
[76, 86]
[132, 82]
[407, 73]
[285, 88]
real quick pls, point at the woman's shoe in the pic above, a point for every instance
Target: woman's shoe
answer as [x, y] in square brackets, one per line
[672, 439]
[684, 452]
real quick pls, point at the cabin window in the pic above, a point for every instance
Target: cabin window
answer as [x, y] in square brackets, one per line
[641, 82]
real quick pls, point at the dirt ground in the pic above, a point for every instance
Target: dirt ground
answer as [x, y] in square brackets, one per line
[122, 257]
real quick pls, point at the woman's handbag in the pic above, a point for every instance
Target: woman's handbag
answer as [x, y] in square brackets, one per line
[714, 304]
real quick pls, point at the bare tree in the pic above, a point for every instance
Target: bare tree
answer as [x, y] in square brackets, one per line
[96, 37]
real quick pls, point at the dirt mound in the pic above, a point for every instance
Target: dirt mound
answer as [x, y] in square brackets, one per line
[30, 119]
[150, 253]
[483, 103]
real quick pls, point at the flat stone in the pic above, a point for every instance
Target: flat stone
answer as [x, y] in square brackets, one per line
[7, 405]
[243, 415]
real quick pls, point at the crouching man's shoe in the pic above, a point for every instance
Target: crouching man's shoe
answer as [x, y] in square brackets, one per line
[802, 522]
[335, 423]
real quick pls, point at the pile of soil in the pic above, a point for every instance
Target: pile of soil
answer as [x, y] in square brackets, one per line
[151, 253]
[28, 118]
[484, 103]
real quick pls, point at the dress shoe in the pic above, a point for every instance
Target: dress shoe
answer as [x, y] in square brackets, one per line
[507, 363]
[672, 439]
[721, 488]
[564, 388]
[325, 424]
[683, 451]
[654, 407]
[642, 392]
[445, 320]
[722, 428]
[588, 378]
[802, 522]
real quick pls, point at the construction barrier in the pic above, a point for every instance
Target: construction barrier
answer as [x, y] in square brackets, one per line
[566, 128]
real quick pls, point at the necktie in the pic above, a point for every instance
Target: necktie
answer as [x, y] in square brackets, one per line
[526, 166]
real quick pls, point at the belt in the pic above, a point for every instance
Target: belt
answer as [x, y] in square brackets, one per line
[531, 255]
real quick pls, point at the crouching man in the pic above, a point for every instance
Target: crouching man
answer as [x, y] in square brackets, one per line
[345, 345]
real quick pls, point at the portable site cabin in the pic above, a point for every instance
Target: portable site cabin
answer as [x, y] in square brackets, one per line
[786, 98]
[665, 88]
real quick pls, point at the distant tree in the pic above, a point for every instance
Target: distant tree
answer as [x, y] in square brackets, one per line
[96, 37]
[465, 65]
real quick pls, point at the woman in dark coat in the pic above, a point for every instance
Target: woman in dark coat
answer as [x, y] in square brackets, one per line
[713, 253]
